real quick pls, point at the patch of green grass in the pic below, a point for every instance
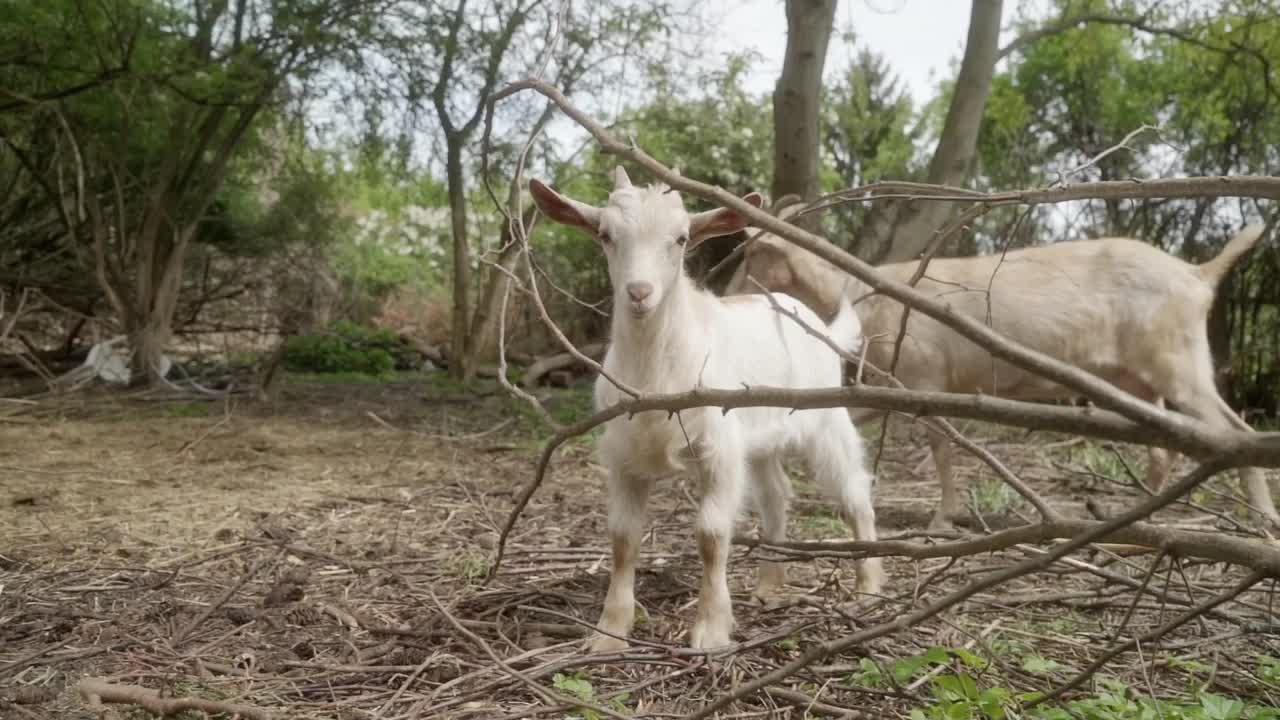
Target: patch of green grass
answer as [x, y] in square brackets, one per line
[1104, 462]
[565, 406]
[993, 496]
[822, 522]
[184, 689]
[470, 566]
[356, 378]
[1007, 645]
[242, 358]
[189, 409]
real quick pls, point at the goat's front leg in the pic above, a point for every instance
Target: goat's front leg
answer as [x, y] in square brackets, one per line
[723, 477]
[628, 496]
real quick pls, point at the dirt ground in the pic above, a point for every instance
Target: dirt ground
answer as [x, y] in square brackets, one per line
[325, 556]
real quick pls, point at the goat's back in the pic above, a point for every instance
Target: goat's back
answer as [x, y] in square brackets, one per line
[1106, 305]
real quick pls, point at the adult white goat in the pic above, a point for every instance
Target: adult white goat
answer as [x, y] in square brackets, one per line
[1119, 308]
[669, 335]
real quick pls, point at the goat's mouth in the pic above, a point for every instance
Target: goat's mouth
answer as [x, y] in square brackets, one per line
[639, 311]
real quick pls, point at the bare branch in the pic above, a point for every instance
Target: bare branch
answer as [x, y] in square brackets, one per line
[96, 692]
[1083, 382]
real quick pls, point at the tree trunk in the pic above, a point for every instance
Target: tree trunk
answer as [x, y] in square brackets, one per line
[905, 230]
[461, 254]
[485, 322]
[147, 341]
[797, 98]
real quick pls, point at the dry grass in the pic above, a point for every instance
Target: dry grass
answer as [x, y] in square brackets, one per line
[286, 556]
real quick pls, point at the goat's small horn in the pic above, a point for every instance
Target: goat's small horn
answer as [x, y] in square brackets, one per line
[620, 179]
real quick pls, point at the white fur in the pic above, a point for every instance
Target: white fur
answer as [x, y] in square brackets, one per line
[680, 337]
[1119, 308]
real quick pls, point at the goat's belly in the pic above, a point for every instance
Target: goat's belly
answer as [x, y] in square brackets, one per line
[767, 431]
[644, 447]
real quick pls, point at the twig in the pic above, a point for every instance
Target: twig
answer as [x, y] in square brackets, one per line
[1001, 470]
[811, 705]
[27, 659]
[1240, 587]
[96, 692]
[213, 607]
[541, 692]
[991, 626]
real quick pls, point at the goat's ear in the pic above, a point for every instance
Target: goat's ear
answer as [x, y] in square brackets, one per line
[722, 221]
[565, 210]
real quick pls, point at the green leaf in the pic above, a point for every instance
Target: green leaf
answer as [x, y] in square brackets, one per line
[1217, 707]
[936, 656]
[574, 685]
[1037, 665]
[906, 668]
[974, 661]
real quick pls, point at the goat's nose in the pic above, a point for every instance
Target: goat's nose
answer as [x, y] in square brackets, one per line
[639, 290]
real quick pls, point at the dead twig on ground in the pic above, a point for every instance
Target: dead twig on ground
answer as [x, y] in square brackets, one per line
[98, 693]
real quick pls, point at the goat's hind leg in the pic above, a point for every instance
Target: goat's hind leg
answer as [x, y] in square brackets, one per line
[837, 459]
[940, 448]
[1203, 401]
[772, 493]
[628, 496]
[1159, 460]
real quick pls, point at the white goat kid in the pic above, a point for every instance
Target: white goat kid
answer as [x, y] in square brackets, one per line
[669, 335]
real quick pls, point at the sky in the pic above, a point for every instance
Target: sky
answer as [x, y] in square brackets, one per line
[920, 38]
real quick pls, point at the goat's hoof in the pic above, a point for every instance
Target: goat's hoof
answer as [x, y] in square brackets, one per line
[707, 635]
[770, 583]
[941, 523]
[604, 643]
[766, 593]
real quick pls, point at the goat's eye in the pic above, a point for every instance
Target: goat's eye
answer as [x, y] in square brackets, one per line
[682, 240]
[604, 238]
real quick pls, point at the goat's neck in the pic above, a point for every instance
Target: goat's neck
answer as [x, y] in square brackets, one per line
[651, 353]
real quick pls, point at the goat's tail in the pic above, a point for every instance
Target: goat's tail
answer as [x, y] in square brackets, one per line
[1214, 270]
[845, 328]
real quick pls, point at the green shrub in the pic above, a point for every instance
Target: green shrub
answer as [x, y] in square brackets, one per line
[349, 348]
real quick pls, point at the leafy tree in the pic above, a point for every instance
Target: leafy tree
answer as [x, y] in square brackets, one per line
[1070, 96]
[127, 118]
[468, 48]
[870, 130]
